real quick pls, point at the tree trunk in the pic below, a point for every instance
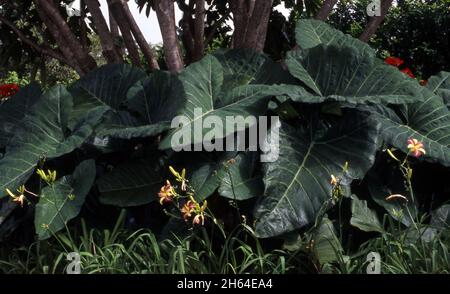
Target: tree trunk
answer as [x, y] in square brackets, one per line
[115, 7]
[240, 20]
[140, 39]
[69, 56]
[199, 38]
[188, 30]
[251, 20]
[114, 28]
[86, 62]
[166, 18]
[106, 39]
[375, 21]
[326, 9]
[83, 27]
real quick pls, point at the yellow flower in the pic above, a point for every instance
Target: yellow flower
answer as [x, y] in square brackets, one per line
[199, 219]
[50, 178]
[180, 178]
[396, 196]
[416, 147]
[391, 154]
[20, 198]
[334, 181]
[166, 193]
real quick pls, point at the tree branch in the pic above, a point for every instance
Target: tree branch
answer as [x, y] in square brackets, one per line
[139, 37]
[125, 29]
[64, 36]
[106, 39]
[32, 44]
[326, 9]
[375, 21]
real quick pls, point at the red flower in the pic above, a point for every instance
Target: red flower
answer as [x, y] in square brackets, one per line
[7, 90]
[408, 72]
[395, 61]
[423, 82]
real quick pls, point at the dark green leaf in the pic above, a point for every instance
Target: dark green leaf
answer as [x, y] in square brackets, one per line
[62, 201]
[298, 183]
[363, 217]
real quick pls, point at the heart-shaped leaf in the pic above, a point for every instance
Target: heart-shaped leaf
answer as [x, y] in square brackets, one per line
[62, 201]
[297, 185]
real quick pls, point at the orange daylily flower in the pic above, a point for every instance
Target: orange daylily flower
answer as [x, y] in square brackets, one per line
[166, 193]
[20, 198]
[416, 147]
[199, 219]
[187, 209]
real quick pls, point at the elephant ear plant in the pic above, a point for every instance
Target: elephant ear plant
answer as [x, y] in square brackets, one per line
[109, 136]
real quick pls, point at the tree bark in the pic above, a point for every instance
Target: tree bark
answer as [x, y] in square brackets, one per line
[62, 45]
[140, 39]
[85, 61]
[125, 29]
[166, 18]
[199, 35]
[83, 27]
[106, 39]
[251, 20]
[375, 21]
[240, 20]
[114, 28]
[187, 29]
[326, 9]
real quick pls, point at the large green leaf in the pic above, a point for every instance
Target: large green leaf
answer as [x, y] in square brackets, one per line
[441, 217]
[427, 121]
[440, 85]
[310, 32]
[62, 201]
[214, 96]
[241, 180]
[209, 171]
[43, 133]
[298, 184]
[132, 183]
[363, 217]
[107, 86]
[204, 170]
[346, 74]
[246, 66]
[157, 98]
[123, 125]
[14, 109]
[327, 247]
[155, 101]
